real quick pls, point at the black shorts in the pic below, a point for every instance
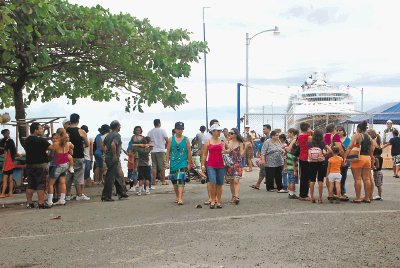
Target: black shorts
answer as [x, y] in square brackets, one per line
[37, 176]
[144, 173]
[8, 172]
[317, 170]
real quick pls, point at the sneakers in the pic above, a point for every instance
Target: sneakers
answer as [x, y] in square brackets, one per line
[67, 198]
[147, 191]
[377, 198]
[71, 170]
[293, 196]
[60, 202]
[152, 188]
[82, 198]
[139, 193]
[43, 206]
[282, 191]
[30, 205]
[50, 204]
[133, 189]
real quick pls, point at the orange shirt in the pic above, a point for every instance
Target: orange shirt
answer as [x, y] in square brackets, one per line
[335, 164]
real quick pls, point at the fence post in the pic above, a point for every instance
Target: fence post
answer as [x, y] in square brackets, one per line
[372, 121]
[313, 121]
[327, 120]
[285, 123]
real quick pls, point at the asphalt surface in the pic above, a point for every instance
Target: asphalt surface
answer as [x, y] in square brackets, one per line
[264, 230]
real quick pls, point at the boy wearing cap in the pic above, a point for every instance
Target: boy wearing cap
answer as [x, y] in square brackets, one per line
[179, 159]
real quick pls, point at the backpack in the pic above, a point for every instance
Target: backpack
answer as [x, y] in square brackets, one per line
[315, 154]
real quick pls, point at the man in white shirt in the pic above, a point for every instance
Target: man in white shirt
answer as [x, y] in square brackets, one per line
[388, 132]
[159, 140]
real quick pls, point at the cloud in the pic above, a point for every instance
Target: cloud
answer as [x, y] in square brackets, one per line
[321, 15]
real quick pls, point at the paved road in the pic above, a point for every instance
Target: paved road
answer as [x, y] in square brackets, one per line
[265, 230]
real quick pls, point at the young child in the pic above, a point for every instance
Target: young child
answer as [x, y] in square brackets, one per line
[144, 167]
[333, 174]
[132, 176]
[197, 163]
[378, 175]
[249, 152]
[285, 143]
[292, 164]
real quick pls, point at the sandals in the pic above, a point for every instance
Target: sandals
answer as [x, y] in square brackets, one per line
[319, 201]
[180, 203]
[219, 206]
[366, 201]
[207, 203]
[254, 187]
[212, 206]
[236, 200]
[356, 201]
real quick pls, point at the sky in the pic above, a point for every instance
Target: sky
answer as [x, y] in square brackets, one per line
[354, 42]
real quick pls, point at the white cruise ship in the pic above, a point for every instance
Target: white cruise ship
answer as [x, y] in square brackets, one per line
[319, 103]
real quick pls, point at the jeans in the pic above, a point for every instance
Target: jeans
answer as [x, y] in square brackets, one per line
[343, 171]
[285, 180]
[112, 177]
[216, 175]
[271, 174]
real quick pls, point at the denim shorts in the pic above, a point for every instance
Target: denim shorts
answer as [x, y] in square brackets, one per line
[58, 171]
[99, 160]
[291, 178]
[216, 175]
[132, 174]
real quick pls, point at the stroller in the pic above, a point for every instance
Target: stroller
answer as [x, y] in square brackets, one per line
[194, 174]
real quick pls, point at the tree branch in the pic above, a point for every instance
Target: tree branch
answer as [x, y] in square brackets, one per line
[5, 80]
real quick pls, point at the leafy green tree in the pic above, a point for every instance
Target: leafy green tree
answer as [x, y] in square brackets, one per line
[51, 48]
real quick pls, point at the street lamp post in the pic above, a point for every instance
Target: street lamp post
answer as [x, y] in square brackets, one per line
[205, 67]
[248, 39]
[238, 85]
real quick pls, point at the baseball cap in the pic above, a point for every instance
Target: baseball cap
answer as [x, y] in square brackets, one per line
[179, 125]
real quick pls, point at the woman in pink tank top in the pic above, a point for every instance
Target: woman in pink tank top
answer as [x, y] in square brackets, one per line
[212, 160]
[61, 161]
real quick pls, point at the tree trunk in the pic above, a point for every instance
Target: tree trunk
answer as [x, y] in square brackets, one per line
[20, 108]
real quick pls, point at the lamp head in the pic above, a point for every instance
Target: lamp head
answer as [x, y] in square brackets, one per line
[276, 31]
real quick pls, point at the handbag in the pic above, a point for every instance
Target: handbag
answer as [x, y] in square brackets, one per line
[227, 160]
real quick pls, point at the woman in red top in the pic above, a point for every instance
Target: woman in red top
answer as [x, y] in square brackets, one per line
[212, 152]
[10, 152]
[303, 139]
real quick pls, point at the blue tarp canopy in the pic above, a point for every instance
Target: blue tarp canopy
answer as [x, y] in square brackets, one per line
[379, 115]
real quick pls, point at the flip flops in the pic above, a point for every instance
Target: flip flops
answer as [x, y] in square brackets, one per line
[254, 187]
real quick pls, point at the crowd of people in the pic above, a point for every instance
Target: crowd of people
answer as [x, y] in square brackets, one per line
[219, 156]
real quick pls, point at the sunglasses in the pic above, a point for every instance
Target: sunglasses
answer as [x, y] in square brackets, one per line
[231, 133]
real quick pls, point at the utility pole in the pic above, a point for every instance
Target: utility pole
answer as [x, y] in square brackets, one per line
[205, 68]
[362, 99]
